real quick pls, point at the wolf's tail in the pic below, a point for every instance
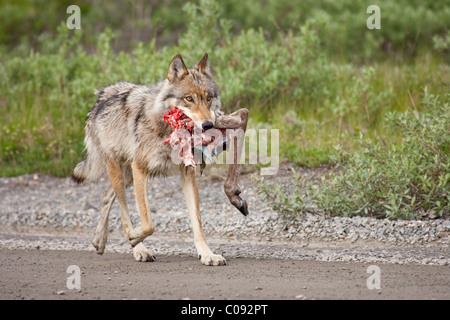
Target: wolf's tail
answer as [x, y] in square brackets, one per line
[90, 169]
[79, 174]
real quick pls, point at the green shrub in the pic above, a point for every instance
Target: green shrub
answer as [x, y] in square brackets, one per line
[297, 201]
[57, 88]
[407, 179]
[407, 27]
[288, 79]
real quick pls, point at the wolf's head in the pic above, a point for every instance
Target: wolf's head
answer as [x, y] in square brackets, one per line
[193, 91]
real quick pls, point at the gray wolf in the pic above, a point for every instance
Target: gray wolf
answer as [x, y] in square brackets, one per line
[124, 138]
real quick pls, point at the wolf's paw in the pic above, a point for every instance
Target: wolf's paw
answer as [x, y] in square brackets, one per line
[141, 253]
[212, 260]
[99, 244]
[138, 234]
[98, 250]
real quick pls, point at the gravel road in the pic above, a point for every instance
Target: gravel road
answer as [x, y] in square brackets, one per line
[47, 214]
[42, 274]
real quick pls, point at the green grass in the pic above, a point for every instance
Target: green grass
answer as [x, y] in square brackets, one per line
[311, 127]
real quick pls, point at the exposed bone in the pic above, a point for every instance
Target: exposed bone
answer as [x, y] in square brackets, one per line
[236, 120]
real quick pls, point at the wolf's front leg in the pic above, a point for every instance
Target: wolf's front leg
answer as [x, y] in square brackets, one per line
[190, 190]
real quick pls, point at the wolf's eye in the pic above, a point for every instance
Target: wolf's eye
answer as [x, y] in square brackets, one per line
[208, 98]
[189, 98]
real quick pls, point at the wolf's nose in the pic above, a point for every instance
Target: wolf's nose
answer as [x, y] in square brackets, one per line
[206, 125]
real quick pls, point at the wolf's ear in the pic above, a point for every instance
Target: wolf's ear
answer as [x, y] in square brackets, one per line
[203, 65]
[177, 69]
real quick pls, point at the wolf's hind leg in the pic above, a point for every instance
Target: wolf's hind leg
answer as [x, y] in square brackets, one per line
[101, 233]
[120, 178]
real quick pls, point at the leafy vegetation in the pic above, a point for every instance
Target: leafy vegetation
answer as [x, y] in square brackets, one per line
[406, 179]
[407, 27]
[310, 68]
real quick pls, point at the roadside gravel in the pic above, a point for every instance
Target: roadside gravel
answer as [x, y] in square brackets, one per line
[35, 203]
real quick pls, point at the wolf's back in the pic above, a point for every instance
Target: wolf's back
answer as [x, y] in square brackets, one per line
[117, 123]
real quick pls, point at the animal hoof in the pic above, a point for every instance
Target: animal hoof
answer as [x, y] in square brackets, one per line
[244, 208]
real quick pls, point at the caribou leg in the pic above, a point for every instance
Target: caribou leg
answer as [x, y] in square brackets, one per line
[236, 120]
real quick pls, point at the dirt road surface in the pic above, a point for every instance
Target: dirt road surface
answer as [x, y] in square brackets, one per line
[47, 223]
[38, 273]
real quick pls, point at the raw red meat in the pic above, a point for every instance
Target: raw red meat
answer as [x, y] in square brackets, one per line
[182, 136]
